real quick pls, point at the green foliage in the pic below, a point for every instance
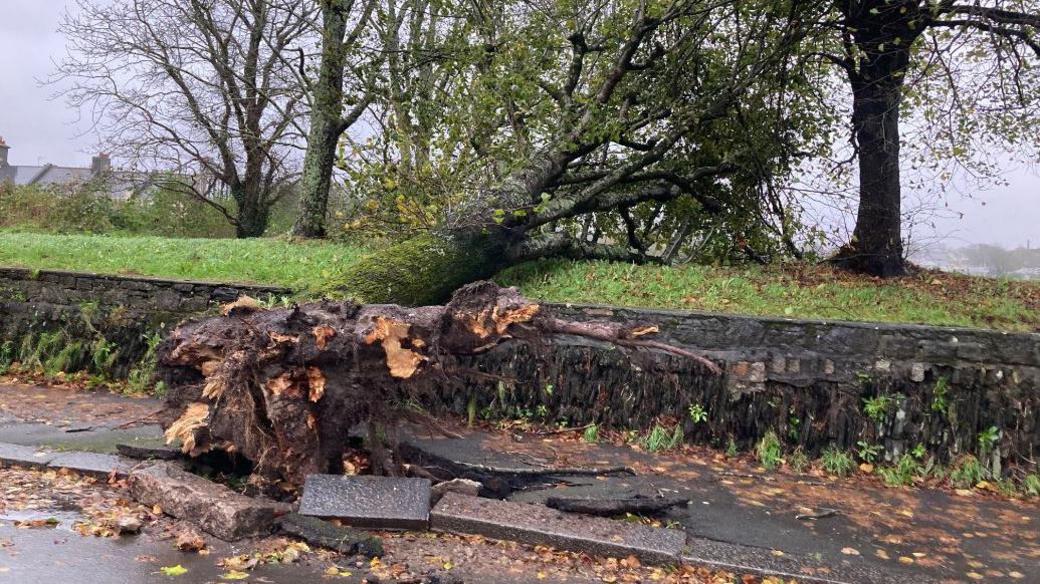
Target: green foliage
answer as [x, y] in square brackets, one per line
[878, 407]
[591, 434]
[7, 356]
[141, 378]
[70, 357]
[798, 461]
[906, 469]
[471, 411]
[769, 451]
[919, 452]
[1031, 485]
[939, 395]
[988, 439]
[867, 452]
[731, 448]
[422, 270]
[968, 472]
[661, 438]
[837, 462]
[698, 414]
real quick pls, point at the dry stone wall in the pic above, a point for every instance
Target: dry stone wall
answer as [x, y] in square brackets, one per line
[814, 383]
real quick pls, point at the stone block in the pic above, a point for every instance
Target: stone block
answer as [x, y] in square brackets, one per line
[322, 533]
[92, 463]
[215, 508]
[539, 525]
[23, 456]
[373, 502]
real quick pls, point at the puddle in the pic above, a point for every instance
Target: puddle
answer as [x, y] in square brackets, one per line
[54, 519]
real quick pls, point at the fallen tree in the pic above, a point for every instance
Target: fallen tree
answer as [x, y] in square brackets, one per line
[284, 388]
[623, 118]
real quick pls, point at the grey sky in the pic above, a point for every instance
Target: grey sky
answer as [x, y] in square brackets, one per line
[43, 130]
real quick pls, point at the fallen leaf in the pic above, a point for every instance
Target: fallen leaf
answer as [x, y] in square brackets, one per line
[234, 575]
[189, 541]
[177, 570]
[848, 551]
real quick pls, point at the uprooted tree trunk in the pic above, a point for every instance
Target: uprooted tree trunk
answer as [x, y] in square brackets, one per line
[283, 388]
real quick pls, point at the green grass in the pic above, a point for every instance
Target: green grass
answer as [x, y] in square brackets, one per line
[302, 266]
[794, 291]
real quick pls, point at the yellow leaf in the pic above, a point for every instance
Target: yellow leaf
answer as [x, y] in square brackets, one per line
[177, 570]
[848, 551]
[234, 575]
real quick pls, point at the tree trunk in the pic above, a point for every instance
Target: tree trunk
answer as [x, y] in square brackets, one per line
[252, 215]
[283, 388]
[877, 246]
[326, 127]
[425, 269]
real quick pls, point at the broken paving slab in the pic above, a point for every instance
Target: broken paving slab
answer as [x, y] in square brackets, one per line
[540, 525]
[753, 560]
[149, 451]
[24, 456]
[322, 533]
[368, 501]
[499, 473]
[92, 463]
[213, 507]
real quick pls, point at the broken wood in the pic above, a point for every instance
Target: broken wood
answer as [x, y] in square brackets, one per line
[283, 388]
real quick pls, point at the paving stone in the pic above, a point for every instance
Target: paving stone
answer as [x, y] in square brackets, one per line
[754, 560]
[539, 525]
[373, 502]
[92, 463]
[215, 508]
[322, 533]
[25, 456]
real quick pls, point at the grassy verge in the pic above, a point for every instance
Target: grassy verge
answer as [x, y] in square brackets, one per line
[928, 297]
[803, 291]
[302, 266]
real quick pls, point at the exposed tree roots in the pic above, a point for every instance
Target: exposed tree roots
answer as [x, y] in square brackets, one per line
[283, 388]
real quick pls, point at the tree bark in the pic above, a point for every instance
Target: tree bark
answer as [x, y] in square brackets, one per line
[326, 125]
[877, 57]
[252, 214]
[877, 246]
[283, 388]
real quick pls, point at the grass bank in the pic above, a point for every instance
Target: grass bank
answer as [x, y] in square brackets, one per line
[302, 266]
[802, 291]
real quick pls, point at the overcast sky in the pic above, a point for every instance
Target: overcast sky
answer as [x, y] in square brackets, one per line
[41, 129]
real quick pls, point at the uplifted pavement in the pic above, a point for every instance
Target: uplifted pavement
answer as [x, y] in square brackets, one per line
[739, 517]
[851, 530]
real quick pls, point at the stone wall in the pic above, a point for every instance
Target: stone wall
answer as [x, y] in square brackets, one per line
[60, 288]
[69, 318]
[809, 381]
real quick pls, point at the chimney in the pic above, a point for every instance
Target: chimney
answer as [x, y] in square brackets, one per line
[100, 164]
[4, 148]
